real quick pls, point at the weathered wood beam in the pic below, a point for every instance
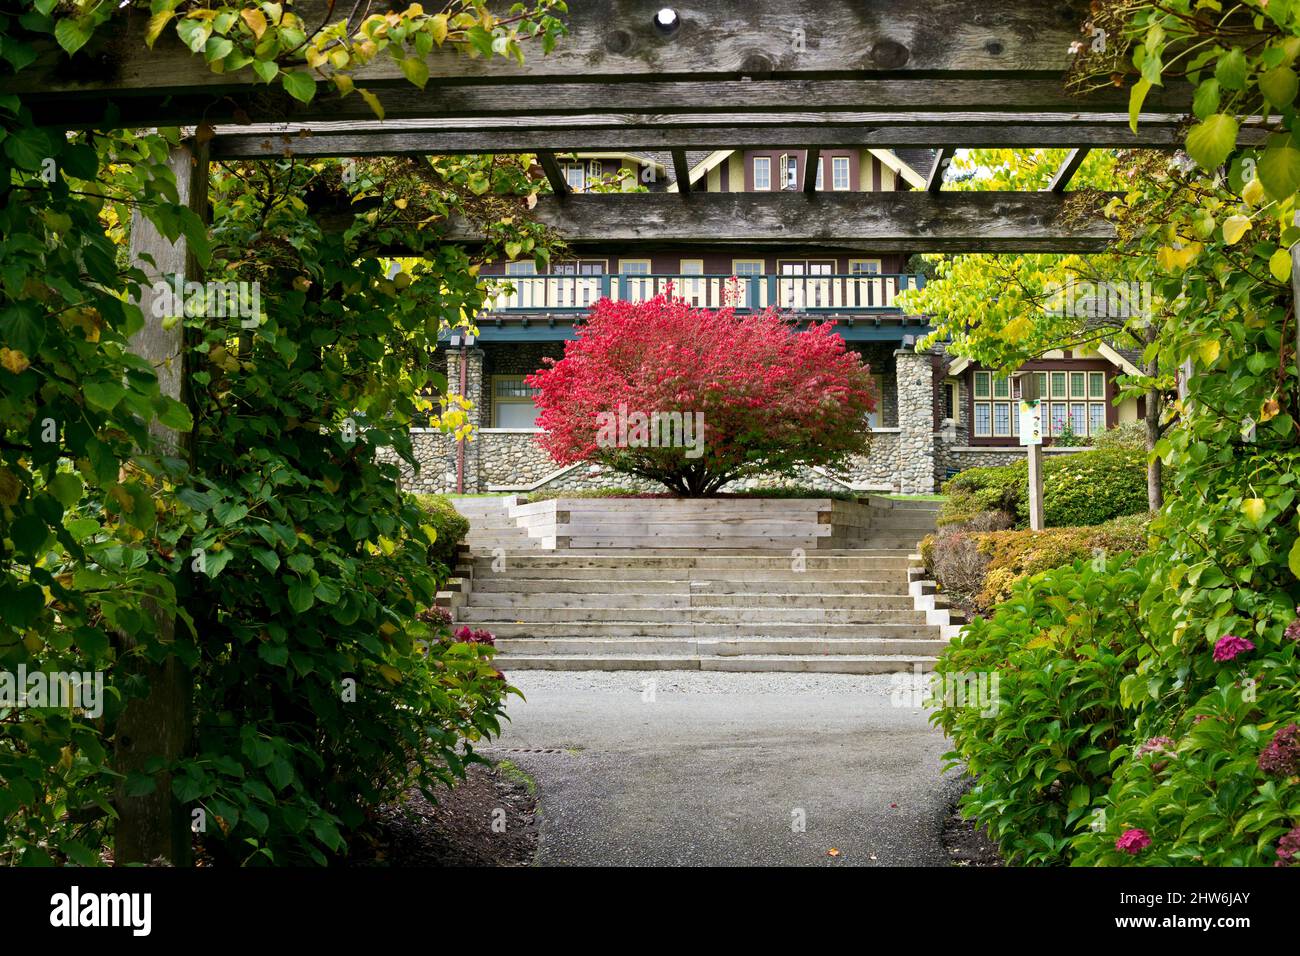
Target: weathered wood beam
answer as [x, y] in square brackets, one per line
[554, 175]
[681, 171]
[941, 162]
[914, 221]
[788, 131]
[1069, 166]
[811, 166]
[158, 725]
[946, 54]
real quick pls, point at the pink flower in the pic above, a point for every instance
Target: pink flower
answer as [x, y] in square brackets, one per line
[1281, 758]
[1288, 848]
[1163, 746]
[1133, 841]
[1292, 632]
[1230, 646]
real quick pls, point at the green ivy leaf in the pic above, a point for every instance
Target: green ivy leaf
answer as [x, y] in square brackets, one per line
[1206, 100]
[1279, 170]
[103, 395]
[1279, 86]
[300, 85]
[266, 70]
[1210, 141]
[301, 597]
[72, 33]
[1231, 70]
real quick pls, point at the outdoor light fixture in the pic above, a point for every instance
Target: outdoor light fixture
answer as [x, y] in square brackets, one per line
[667, 21]
[459, 341]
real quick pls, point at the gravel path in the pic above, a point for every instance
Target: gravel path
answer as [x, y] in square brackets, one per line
[706, 768]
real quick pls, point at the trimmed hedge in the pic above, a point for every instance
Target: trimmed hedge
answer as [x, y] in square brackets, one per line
[451, 526]
[1083, 488]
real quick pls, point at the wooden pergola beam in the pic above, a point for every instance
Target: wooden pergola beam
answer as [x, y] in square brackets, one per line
[727, 54]
[410, 137]
[811, 166]
[1069, 166]
[941, 162]
[554, 175]
[881, 222]
[681, 171]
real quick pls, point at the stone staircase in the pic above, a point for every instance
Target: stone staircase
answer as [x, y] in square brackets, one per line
[842, 610]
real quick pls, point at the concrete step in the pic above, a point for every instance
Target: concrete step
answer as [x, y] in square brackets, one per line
[522, 571]
[571, 646]
[836, 664]
[696, 614]
[813, 561]
[505, 582]
[680, 629]
[658, 599]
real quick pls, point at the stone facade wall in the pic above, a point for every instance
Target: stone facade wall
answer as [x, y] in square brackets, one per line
[916, 442]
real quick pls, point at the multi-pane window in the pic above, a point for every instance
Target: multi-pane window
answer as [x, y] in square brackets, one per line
[747, 267]
[513, 402]
[1073, 398]
[1076, 398]
[839, 172]
[762, 172]
[996, 414]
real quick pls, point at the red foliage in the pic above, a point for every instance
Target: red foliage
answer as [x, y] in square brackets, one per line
[770, 398]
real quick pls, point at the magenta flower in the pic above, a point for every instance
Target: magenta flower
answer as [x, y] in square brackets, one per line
[1230, 646]
[1288, 848]
[1133, 841]
[1292, 632]
[1281, 758]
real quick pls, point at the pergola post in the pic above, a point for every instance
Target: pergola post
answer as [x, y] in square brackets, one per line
[1029, 393]
[155, 827]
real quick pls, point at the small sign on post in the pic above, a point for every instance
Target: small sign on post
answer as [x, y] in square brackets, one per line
[1031, 435]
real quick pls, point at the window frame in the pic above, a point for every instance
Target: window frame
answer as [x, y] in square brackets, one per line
[767, 172]
[848, 174]
[499, 400]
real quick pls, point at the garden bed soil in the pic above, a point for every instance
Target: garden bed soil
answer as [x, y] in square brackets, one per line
[968, 844]
[457, 830]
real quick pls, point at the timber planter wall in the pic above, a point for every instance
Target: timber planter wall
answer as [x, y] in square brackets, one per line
[720, 523]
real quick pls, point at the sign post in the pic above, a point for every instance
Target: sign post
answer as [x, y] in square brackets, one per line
[1031, 435]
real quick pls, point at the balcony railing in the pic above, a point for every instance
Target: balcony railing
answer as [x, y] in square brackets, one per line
[799, 293]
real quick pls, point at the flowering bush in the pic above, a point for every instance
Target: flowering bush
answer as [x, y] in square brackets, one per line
[747, 394]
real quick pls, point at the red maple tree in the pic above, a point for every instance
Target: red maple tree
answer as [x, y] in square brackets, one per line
[695, 398]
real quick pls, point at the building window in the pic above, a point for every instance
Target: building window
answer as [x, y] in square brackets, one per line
[575, 174]
[634, 267]
[877, 392]
[860, 267]
[996, 412]
[789, 172]
[839, 172]
[950, 400]
[747, 267]
[594, 170]
[1079, 399]
[821, 164]
[513, 402]
[521, 268]
[762, 172]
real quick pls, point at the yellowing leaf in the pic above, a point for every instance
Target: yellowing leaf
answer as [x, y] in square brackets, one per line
[1234, 227]
[1279, 263]
[1269, 410]
[1210, 141]
[373, 102]
[438, 28]
[1016, 329]
[1253, 192]
[1253, 508]
[155, 27]
[14, 360]
[255, 19]
[1208, 351]
[390, 673]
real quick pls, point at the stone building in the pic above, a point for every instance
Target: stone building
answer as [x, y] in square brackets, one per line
[935, 416]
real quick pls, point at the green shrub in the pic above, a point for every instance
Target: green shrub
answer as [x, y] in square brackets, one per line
[1054, 656]
[1130, 435]
[1082, 488]
[451, 527]
[1090, 487]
